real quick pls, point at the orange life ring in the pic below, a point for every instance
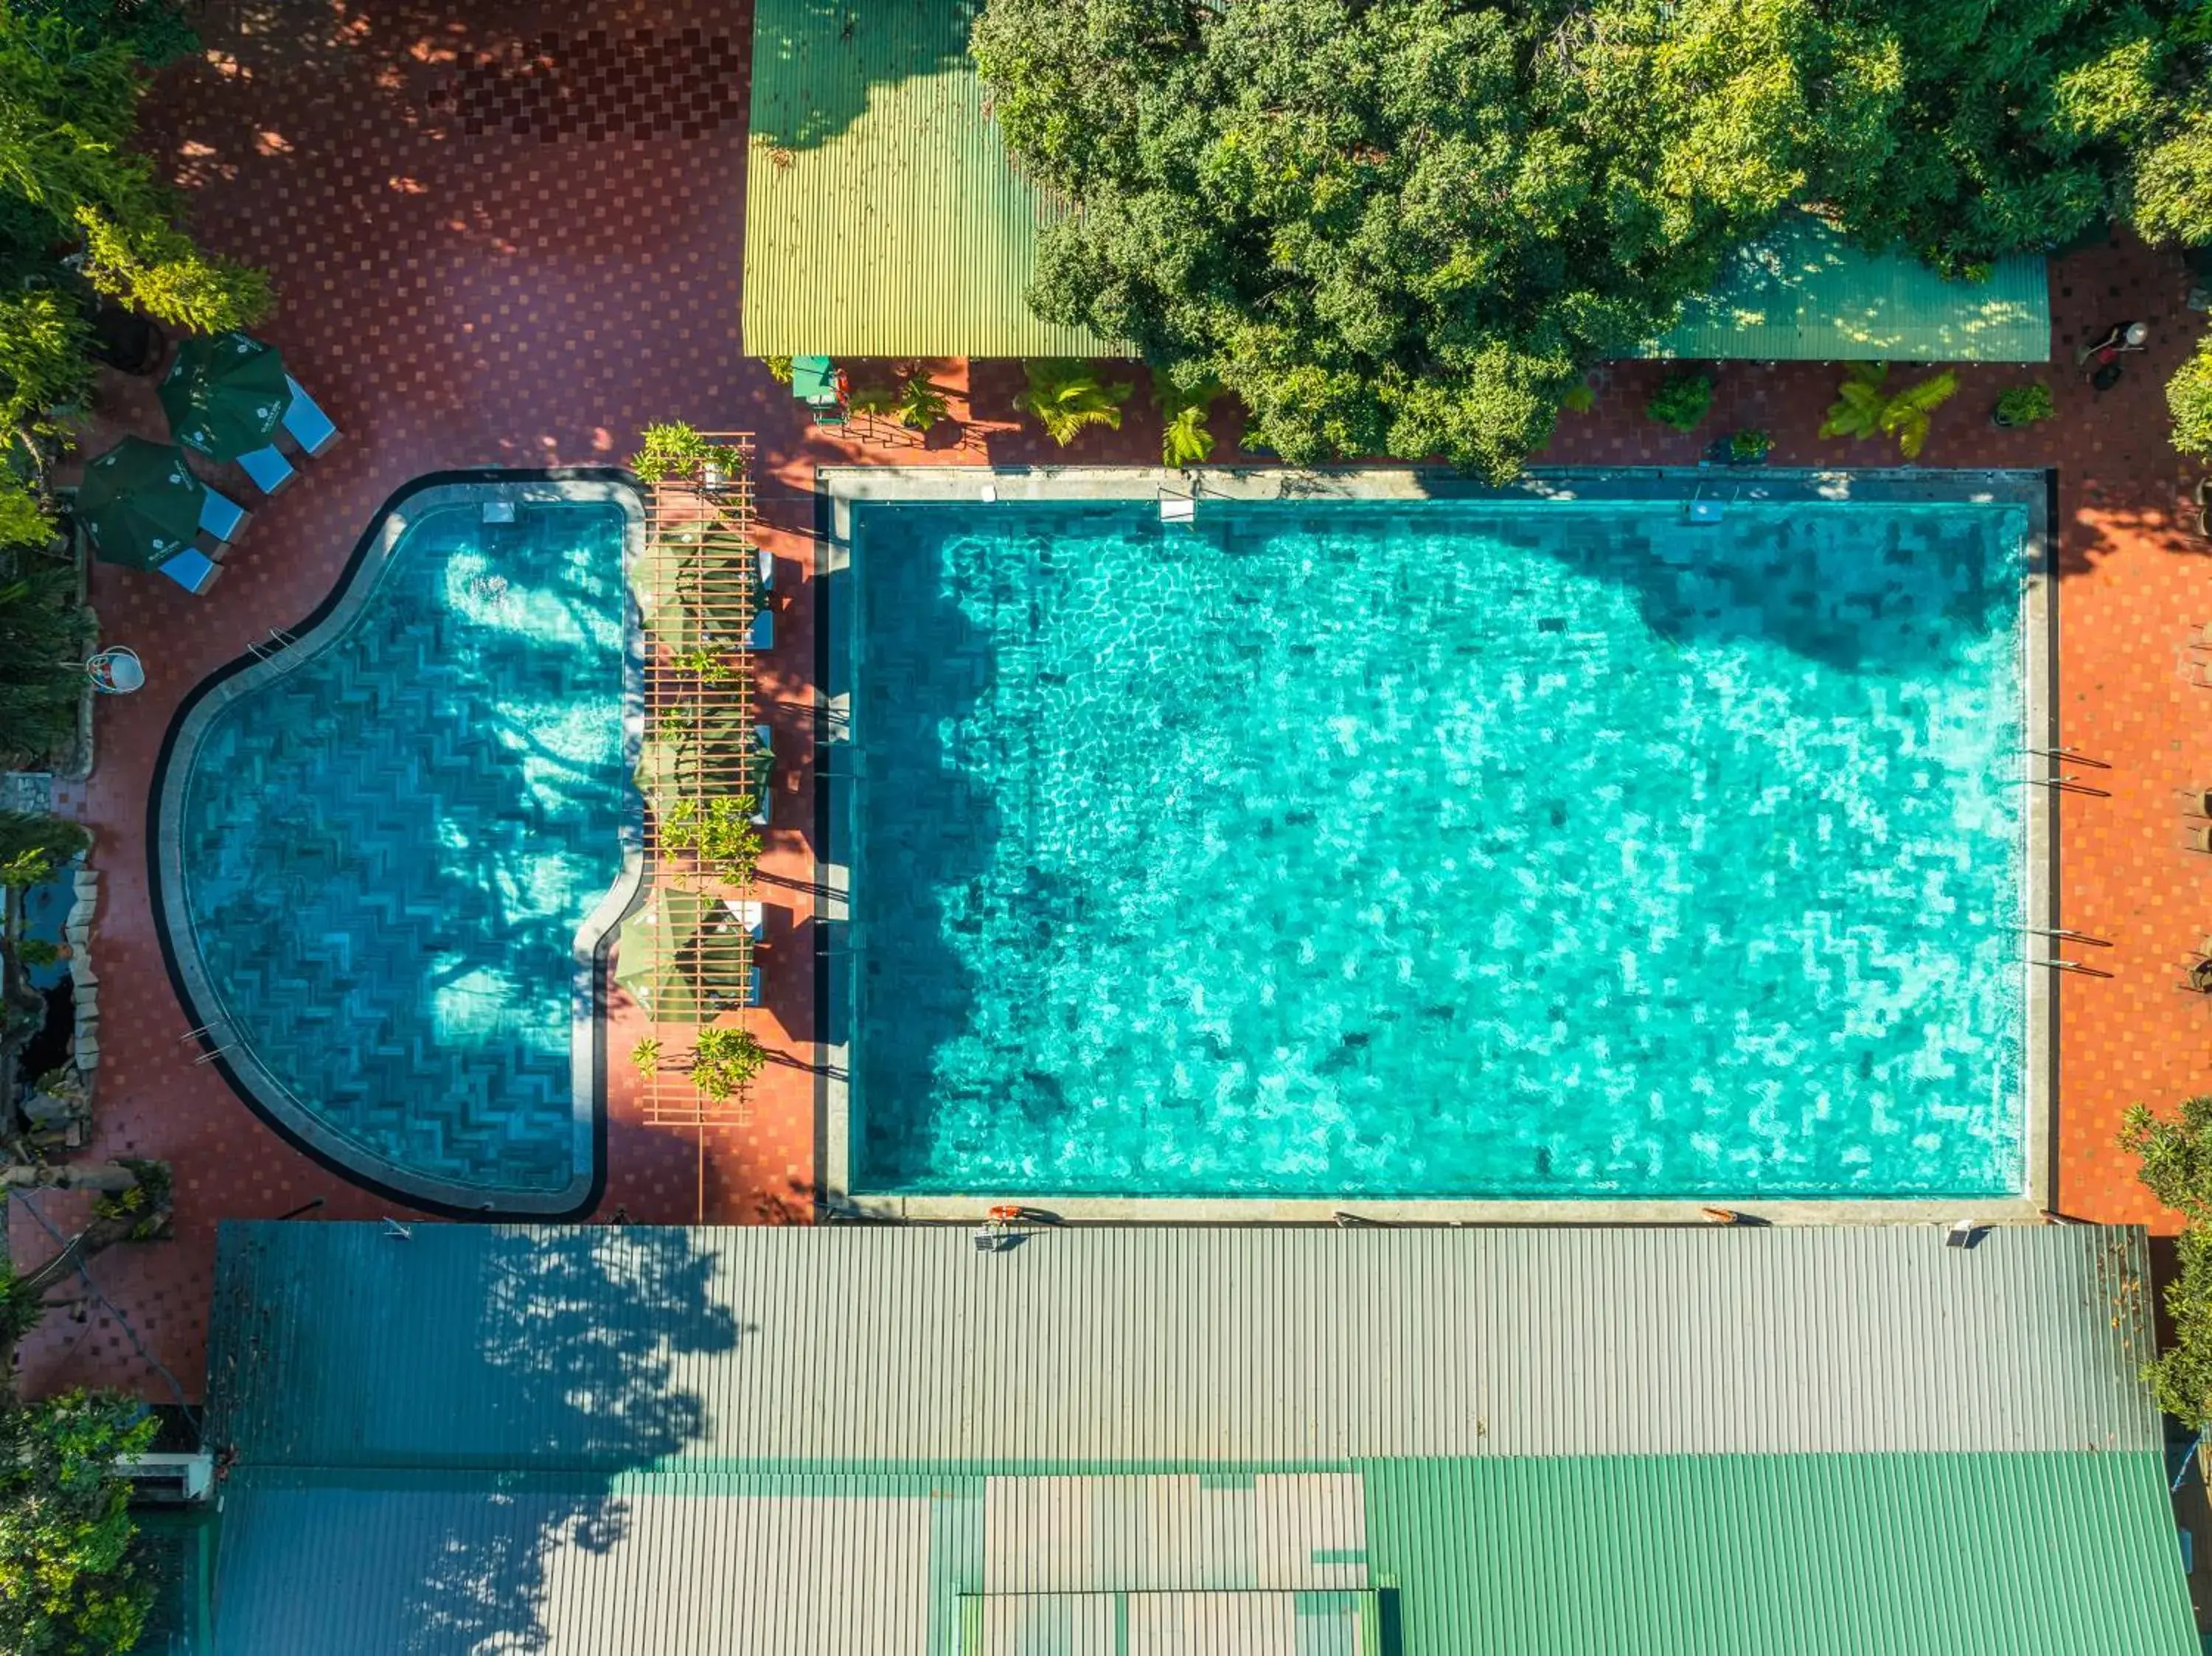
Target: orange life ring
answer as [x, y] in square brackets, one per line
[1006, 1213]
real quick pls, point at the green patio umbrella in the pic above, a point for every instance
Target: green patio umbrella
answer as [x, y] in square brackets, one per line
[683, 956]
[712, 746]
[719, 576]
[139, 504]
[226, 394]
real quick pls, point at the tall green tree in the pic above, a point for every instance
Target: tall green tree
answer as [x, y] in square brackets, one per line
[1407, 227]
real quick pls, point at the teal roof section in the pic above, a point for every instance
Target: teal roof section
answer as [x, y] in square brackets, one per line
[2069, 1554]
[1804, 293]
[884, 218]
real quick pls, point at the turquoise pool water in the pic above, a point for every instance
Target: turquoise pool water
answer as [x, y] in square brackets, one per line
[1487, 849]
[387, 851]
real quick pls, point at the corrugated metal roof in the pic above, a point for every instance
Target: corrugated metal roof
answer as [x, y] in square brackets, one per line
[1805, 294]
[2065, 1555]
[1090, 1348]
[882, 216]
[2069, 1554]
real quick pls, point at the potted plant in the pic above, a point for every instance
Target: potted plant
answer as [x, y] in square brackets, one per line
[668, 450]
[2024, 406]
[724, 1059]
[920, 406]
[1749, 448]
[1681, 400]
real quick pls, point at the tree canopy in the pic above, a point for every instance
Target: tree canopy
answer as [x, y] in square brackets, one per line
[1409, 228]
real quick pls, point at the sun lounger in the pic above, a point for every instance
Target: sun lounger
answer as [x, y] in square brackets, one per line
[753, 988]
[310, 427]
[767, 571]
[268, 468]
[763, 636]
[222, 517]
[194, 571]
[749, 917]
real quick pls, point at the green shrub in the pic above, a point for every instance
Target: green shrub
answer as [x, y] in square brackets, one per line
[32, 846]
[726, 1059]
[645, 1056]
[1185, 438]
[1749, 447]
[920, 406]
[1681, 400]
[672, 449]
[1066, 398]
[1866, 407]
[779, 369]
[2177, 1168]
[2026, 405]
[2188, 396]
[723, 833]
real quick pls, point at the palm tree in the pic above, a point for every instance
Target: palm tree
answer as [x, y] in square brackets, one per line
[1864, 406]
[1064, 397]
[920, 404]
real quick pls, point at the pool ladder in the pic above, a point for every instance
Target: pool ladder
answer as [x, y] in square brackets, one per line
[279, 642]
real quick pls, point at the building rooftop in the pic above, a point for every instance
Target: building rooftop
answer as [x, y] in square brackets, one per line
[884, 1438]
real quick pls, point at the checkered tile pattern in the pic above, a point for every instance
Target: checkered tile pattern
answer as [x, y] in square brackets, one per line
[494, 299]
[598, 85]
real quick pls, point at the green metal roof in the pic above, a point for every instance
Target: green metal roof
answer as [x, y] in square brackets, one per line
[1805, 293]
[1534, 1442]
[883, 218]
[2067, 1554]
[2062, 1553]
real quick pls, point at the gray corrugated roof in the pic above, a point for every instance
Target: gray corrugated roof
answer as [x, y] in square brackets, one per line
[336, 1345]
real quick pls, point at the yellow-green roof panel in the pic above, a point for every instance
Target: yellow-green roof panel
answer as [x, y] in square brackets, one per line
[882, 215]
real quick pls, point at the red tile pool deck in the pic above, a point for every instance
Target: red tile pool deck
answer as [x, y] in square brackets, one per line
[481, 262]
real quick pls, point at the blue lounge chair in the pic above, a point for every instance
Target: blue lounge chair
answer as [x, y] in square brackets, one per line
[763, 636]
[310, 427]
[764, 743]
[193, 570]
[753, 988]
[268, 468]
[222, 517]
[767, 568]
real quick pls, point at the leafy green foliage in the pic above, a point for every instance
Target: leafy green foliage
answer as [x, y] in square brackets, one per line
[1866, 407]
[1681, 400]
[726, 1059]
[779, 369]
[1410, 228]
[1065, 399]
[1749, 447]
[2026, 405]
[43, 365]
[920, 406]
[2188, 396]
[1185, 438]
[44, 637]
[671, 449]
[68, 1585]
[721, 831]
[19, 1310]
[31, 846]
[2170, 193]
[877, 400]
[2177, 1168]
[645, 1057]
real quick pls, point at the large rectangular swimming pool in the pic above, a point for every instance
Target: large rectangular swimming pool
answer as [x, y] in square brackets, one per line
[1490, 849]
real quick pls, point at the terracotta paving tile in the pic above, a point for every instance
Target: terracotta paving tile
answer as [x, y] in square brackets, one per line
[480, 264]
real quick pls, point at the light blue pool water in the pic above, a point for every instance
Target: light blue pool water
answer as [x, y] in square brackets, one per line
[388, 850]
[1516, 849]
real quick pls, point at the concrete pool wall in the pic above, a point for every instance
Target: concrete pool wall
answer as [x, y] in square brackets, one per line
[840, 488]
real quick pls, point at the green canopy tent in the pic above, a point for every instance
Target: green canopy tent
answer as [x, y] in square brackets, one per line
[139, 504]
[226, 394]
[715, 750]
[689, 572]
[684, 957]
